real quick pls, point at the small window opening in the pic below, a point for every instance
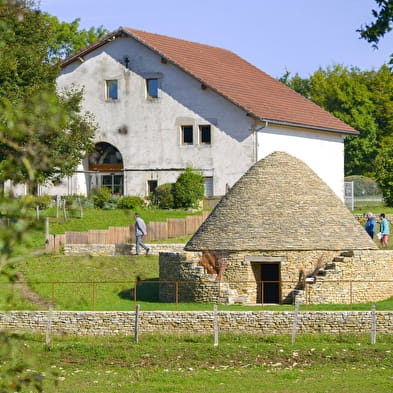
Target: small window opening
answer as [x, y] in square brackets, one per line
[205, 134]
[187, 135]
[151, 186]
[111, 90]
[152, 87]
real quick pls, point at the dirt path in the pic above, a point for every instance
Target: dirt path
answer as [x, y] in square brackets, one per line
[26, 292]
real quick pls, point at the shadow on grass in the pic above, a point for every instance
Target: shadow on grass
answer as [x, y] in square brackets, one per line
[146, 290]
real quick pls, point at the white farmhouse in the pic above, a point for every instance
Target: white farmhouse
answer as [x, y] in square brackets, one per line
[163, 104]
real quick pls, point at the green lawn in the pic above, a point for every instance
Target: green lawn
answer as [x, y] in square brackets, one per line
[362, 207]
[96, 219]
[191, 364]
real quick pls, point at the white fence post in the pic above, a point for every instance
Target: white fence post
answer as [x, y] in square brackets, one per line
[136, 327]
[49, 326]
[294, 325]
[215, 325]
[373, 325]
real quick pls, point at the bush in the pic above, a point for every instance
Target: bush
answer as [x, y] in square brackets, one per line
[189, 189]
[130, 202]
[100, 196]
[75, 201]
[111, 203]
[163, 196]
[32, 201]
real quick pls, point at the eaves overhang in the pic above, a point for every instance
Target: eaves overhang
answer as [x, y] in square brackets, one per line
[308, 126]
[103, 41]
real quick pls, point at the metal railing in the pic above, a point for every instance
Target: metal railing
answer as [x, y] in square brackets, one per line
[114, 295]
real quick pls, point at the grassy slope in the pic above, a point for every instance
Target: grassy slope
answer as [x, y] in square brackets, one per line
[119, 273]
[106, 283]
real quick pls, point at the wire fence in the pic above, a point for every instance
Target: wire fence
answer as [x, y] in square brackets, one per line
[183, 295]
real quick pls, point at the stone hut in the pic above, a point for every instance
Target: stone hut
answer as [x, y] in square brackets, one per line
[279, 232]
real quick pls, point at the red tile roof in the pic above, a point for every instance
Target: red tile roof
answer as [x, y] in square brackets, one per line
[221, 70]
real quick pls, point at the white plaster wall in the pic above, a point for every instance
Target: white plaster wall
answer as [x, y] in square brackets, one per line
[151, 147]
[152, 143]
[323, 152]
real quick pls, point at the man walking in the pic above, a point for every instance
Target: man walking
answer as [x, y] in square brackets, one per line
[140, 231]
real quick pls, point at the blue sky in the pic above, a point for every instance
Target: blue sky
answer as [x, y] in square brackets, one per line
[275, 35]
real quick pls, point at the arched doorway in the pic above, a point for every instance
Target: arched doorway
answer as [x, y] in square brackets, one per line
[107, 162]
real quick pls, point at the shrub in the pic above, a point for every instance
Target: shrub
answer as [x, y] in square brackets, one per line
[111, 203]
[189, 189]
[31, 201]
[163, 197]
[76, 201]
[130, 202]
[100, 196]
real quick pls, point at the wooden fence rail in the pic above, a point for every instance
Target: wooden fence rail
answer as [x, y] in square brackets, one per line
[172, 227]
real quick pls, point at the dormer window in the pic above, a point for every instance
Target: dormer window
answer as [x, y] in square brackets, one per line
[111, 92]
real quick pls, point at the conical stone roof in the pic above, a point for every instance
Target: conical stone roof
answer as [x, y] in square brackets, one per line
[280, 204]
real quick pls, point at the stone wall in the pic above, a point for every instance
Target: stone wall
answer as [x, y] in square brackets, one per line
[170, 322]
[117, 249]
[346, 277]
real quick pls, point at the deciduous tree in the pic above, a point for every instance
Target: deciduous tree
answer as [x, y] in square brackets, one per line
[39, 127]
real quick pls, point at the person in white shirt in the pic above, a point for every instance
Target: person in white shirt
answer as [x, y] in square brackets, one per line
[140, 231]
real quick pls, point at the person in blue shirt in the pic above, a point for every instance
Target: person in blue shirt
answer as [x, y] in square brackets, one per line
[384, 229]
[371, 224]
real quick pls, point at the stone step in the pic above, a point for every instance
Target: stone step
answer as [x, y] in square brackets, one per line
[228, 292]
[348, 254]
[241, 299]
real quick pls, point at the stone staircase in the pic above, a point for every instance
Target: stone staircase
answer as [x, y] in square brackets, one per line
[332, 271]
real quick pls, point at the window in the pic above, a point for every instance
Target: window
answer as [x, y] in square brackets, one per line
[208, 183]
[152, 87]
[151, 186]
[111, 90]
[205, 134]
[187, 137]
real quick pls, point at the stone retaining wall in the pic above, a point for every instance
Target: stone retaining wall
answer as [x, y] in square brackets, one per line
[118, 249]
[191, 322]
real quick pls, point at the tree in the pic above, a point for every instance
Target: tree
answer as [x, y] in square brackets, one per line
[384, 169]
[346, 94]
[189, 189]
[39, 127]
[382, 24]
[373, 32]
[68, 37]
[38, 130]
